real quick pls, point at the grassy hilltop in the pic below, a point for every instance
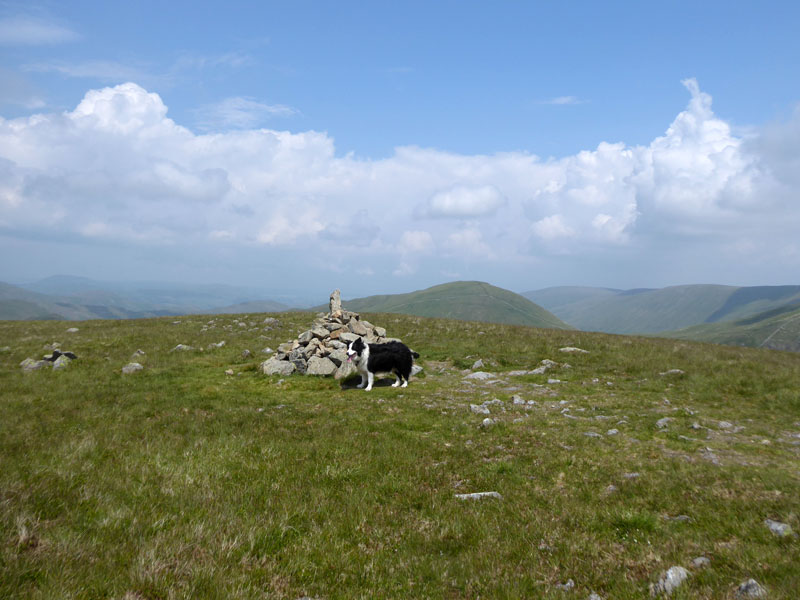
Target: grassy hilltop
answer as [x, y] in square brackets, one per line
[182, 481]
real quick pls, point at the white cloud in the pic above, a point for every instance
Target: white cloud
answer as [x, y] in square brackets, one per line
[31, 31]
[118, 169]
[464, 202]
[239, 113]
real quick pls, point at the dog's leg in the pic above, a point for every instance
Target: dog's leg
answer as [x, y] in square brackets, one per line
[398, 382]
[363, 383]
[405, 383]
[370, 379]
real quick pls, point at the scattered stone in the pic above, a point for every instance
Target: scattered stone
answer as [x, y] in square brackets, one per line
[29, 364]
[517, 400]
[670, 581]
[751, 589]
[478, 364]
[778, 528]
[701, 562]
[566, 586]
[335, 304]
[480, 376]
[182, 348]
[672, 372]
[592, 434]
[479, 496]
[137, 354]
[229, 372]
[131, 368]
[612, 432]
[479, 409]
[72, 330]
[663, 423]
[487, 422]
[595, 596]
[246, 353]
[708, 454]
[62, 362]
[267, 350]
[5, 349]
[573, 350]
[631, 475]
[210, 346]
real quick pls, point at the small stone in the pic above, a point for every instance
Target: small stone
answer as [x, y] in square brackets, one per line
[267, 350]
[479, 496]
[566, 586]
[273, 366]
[480, 376]
[751, 589]
[72, 330]
[246, 353]
[477, 364]
[517, 400]
[573, 350]
[592, 434]
[30, 364]
[131, 368]
[229, 372]
[778, 528]
[672, 372]
[182, 348]
[595, 596]
[701, 562]
[670, 581]
[663, 423]
[487, 422]
[479, 409]
[612, 432]
[61, 362]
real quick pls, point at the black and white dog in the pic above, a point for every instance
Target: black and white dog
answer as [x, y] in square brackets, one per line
[391, 357]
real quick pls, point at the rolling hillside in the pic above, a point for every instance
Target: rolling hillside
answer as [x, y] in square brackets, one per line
[778, 329]
[666, 309]
[464, 300]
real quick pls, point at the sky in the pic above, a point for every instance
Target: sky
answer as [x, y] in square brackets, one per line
[385, 147]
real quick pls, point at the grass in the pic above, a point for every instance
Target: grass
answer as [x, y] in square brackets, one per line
[181, 481]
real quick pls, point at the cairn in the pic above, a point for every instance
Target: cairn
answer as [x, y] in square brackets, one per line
[322, 350]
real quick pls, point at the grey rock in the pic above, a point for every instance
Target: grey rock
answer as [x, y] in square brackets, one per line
[380, 332]
[592, 434]
[320, 332]
[131, 368]
[778, 528]
[62, 362]
[479, 496]
[595, 596]
[612, 432]
[477, 364]
[416, 370]
[751, 589]
[672, 372]
[517, 400]
[273, 366]
[348, 337]
[300, 364]
[566, 586]
[663, 423]
[357, 328]
[138, 353]
[246, 353]
[335, 304]
[346, 370]
[480, 376]
[72, 330]
[708, 454]
[213, 346]
[701, 562]
[338, 357]
[29, 364]
[573, 350]
[487, 422]
[320, 366]
[670, 581]
[182, 348]
[305, 337]
[479, 409]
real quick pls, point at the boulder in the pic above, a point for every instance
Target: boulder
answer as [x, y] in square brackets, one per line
[273, 366]
[320, 366]
[131, 368]
[29, 364]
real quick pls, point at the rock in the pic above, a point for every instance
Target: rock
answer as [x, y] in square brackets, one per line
[779, 529]
[215, 346]
[479, 496]
[267, 350]
[338, 357]
[229, 372]
[487, 422]
[320, 366]
[62, 362]
[592, 434]
[273, 366]
[663, 423]
[72, 330]
[416, 370]
[348, 337]
[670, 581]
[751, 589]
[612, 432]
[5, 349]
[477, 364]
[517, 400]
[566, 586]
[271, 321]
[595, 596]
[137, 354]
[246, 353]
[708, 454]
[29, 364]
[480, 376]
[672, 372]
[479, 409]
[701, 562]
[335, 303]
[320, 332]
[346, 370]
[131, 368]
[357, 328]
[182, 348]
[573, 350]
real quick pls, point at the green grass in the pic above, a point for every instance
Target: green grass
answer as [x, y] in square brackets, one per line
[183, 482]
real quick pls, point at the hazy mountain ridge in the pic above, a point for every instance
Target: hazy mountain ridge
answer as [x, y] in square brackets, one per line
[660, 310]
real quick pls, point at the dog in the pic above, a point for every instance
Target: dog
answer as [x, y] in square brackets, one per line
[391, 357]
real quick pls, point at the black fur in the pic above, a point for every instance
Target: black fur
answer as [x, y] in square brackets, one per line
[391, 357]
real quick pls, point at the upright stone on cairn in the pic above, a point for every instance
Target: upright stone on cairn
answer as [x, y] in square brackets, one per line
[336, 304]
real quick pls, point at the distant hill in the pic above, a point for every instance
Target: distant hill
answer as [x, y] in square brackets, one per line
[658, 310]
[77, 298]
[778, 329]
[465, 300]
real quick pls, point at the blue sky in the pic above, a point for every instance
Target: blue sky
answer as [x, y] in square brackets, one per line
[384, 147]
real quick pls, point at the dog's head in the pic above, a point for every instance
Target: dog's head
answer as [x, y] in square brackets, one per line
[355, 349]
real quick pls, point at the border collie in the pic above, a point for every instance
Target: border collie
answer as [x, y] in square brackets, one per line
[391, 357]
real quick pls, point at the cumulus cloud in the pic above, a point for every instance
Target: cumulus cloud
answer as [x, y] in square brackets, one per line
[464, 202]
[239, 113]
[118, 169]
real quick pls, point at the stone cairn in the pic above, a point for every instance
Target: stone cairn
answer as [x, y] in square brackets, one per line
[322, 350]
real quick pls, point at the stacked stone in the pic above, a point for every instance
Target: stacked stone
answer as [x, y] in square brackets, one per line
[322, 350]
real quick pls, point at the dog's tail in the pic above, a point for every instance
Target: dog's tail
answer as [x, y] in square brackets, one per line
[414, 354]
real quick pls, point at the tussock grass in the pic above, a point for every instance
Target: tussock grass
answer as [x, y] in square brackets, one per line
[181, 481]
